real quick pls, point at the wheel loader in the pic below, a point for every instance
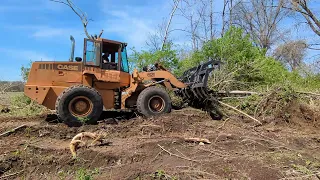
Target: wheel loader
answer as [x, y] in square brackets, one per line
[81, 88]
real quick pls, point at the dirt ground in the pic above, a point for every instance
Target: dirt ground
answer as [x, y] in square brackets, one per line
[139, 148]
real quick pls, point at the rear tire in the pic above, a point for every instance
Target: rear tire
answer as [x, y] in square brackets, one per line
[153, 101]
[78, 105]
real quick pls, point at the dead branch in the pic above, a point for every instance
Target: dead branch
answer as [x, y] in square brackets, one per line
[12, 174]
[302, 7]
[77, 140]
[176, 3]
[171, 154]
[241, 112]
[224, 123]
[302, 177]
[225, 3]
[100, 34]
[82, 15]
[308, 93]
[203, 140]
[12, 130]
[73, 147]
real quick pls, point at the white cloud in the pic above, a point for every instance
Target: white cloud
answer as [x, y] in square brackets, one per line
[133, 30]
[25, 55]
[133, 24]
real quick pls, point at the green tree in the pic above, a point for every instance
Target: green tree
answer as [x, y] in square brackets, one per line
[242, 61]
[167, 57]
[25, 71]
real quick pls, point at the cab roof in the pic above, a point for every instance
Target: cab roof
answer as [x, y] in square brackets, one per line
[110, 41]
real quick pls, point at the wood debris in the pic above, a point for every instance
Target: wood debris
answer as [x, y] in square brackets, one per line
[78, 139]
[199, 140]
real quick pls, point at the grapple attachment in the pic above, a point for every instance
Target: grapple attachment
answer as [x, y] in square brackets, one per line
[196, 80]
[197, 94]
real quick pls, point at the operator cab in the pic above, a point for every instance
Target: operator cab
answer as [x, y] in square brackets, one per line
[106, 54]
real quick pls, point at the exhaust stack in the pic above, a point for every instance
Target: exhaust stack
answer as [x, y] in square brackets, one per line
[72, 48]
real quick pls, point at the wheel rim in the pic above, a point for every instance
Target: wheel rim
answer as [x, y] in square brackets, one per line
[80, 106]
[156, 104]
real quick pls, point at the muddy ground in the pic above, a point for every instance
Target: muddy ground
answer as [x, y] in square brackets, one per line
[139, 148]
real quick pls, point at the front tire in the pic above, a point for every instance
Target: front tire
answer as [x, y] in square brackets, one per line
[78, 105]
[153, 101]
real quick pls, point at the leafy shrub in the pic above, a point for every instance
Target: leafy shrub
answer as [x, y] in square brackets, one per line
[167, 57]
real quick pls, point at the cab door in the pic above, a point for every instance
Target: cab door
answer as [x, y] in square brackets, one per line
[92, 53]
[124, 67]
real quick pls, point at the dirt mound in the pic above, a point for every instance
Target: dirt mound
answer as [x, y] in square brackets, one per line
[283, 106]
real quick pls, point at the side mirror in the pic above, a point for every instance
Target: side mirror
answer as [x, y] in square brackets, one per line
[78, 59]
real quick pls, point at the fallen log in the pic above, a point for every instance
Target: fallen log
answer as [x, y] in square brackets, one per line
[203, 140]
[241, 112]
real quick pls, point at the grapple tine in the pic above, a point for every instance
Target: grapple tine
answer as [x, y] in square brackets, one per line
[184, 96]
[204, 92]
[195, 93]
[199, 92]
[188, 94]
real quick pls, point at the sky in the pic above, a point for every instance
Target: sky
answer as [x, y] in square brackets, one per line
[39, 30]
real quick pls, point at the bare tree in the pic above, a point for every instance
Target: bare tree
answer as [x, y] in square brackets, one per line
[4, 86]
[260, 19]
[166, 32]
[291, 53]
[225, 3]
[156, 41]
[153, 42]
[227, 14]
[199, 15]
[211, 19]
[303, 7]
[82, 15]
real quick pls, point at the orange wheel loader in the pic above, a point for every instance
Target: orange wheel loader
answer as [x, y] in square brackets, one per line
[81, 88]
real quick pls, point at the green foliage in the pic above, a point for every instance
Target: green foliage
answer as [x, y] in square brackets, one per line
[241, 57]
[250, 104]
[21, 106]
[234, 48]
[20, 100]
[245, 66]
[83, 119]
[167, 57]
[84, 174]
[25, 71]
[193, 60]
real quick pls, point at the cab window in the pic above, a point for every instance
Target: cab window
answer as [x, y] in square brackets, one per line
[110, 56]
[92, 53]
[124, 60]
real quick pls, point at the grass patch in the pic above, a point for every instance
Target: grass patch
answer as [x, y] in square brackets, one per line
[84, 174]
[20, 105]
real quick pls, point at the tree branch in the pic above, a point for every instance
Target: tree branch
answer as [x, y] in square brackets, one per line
[82, 15]
[176, 3]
